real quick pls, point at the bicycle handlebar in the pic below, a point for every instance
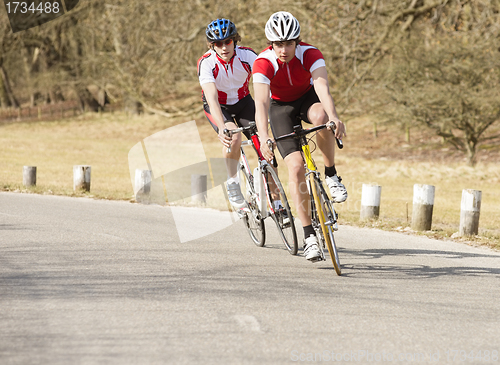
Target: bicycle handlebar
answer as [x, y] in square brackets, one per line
[299, 133]
[252, 127]
[230, 132]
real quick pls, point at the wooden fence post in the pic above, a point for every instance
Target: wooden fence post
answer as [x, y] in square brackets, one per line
[423, 205]
[199, 188]
[142, 185]
[469, 213]
[81, 177]
[29, 175]
[370, 201]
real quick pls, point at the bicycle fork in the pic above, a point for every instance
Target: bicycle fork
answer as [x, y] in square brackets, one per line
[259, 195]
[260, 190]
[315, 214]
[317, 210]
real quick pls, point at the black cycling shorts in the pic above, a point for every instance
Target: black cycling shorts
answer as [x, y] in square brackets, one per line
[285, 115]
[243, 112]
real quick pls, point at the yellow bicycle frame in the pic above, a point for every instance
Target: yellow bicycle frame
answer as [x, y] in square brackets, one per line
[311, 166]
[309, 160]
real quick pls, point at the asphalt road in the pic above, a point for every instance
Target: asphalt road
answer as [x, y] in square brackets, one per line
[99, 282]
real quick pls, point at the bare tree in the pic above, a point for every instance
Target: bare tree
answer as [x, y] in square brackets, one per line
[7, 49]
[145, 51]
[447, 78]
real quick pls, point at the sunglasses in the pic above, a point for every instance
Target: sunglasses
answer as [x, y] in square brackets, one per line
[227, 42]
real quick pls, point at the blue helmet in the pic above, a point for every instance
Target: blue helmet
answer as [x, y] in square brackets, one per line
[220, 29]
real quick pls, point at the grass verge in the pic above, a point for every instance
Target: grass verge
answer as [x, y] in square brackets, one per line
[104, 142]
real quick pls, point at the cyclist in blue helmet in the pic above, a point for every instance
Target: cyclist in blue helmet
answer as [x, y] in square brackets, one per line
[220, 29]
[224, 72]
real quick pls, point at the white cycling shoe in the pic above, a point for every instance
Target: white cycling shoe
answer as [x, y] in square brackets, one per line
[337, 189]
[311, 249]
[235, 197]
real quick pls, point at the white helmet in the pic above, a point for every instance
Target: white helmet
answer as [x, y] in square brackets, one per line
[282, 26]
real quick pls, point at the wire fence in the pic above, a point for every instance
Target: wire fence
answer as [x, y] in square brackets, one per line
[49, 112]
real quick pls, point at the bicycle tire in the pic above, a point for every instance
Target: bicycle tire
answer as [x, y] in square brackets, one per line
[324, 211]
[286, 227]
[253, 220]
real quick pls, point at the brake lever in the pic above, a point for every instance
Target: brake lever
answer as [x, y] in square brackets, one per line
[340, 144]
[228, 133]
[270, 144]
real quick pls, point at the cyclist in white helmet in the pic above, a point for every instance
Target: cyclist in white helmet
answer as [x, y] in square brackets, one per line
[295, 75]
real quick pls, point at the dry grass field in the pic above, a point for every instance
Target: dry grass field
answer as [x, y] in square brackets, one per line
[104, 141]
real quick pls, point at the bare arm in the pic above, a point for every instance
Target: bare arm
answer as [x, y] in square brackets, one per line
[211, 95]
[320, 81]
[261, 93]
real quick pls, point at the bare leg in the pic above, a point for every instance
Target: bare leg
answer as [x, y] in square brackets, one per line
[233, 157]
[325, 138]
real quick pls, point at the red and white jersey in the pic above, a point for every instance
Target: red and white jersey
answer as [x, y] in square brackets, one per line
[231, 78]
[288, 81]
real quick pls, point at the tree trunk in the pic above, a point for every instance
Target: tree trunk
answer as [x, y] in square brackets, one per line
[8, 90]
[87, 101]
[29, 80]
[4, 99]
[471, 155]
[471, 147]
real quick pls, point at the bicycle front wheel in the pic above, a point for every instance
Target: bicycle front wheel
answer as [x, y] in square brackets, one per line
[282, 216]
[327, 219]
[252, 218]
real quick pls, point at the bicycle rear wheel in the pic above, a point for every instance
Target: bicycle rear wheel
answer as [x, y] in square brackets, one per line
[327, 219]
[282, 217]
[252, 218]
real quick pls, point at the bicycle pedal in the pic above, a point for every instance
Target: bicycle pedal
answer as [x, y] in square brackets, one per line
[317, 259]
